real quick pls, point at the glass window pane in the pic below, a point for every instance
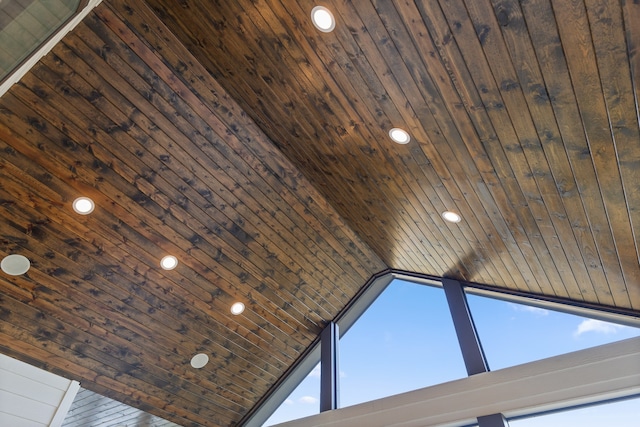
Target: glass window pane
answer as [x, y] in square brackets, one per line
[404, 341]
[25, 25]
[512, 334]
[623, 413]
[302, 402]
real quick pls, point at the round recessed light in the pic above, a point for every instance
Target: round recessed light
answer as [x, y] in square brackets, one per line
[237, 308]
[169, 262]
[199, 360]
[451, 216]
[15, 264]
[399, 135]
[83, 205]
[323, 19]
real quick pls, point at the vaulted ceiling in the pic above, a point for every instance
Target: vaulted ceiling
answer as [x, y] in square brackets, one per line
[254, 148]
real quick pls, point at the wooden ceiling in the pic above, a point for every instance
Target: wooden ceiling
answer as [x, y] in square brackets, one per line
[254, 148]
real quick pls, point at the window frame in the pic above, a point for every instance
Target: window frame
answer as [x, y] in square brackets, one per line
[370, 292]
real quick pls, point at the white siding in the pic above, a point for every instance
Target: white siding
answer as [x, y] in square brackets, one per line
[30, 396]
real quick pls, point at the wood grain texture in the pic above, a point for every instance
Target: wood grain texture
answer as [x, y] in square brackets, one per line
[173, 169]
[255, 149]
[513, 121]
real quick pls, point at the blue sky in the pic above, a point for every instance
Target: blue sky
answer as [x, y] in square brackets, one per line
[406, 341]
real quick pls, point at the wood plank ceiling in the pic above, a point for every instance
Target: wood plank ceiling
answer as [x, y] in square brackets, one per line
[254, 148]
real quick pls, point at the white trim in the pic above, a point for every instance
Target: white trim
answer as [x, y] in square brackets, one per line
[582, 377]
[65, 404]
[46, 48]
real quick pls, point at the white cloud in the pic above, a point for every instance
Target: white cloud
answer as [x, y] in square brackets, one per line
[308, 399]
[315, 373]
[288, 402]
[529, 309]
[598, 326]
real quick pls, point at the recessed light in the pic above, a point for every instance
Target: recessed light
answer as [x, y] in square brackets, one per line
[199, 360]
[237, 308]
[83, 205]
[169, 262]
[15, 264]
[451, 216]
[323, 19]
[399, 135]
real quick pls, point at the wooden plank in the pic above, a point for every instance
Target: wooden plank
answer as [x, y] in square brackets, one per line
[234, 202]
[136, 348]
[175, 319]
[245, 130]
[575, 36]
[212, 333]
[408, 95]
[62, 366]
[178, 239]
[521, 49]
[484, 95]
[530, 163]
[551, 60]
[470, 121]
[611, 50]
[363, 102]
[122, 257]
[123, 228]
[360, 137]
[206, 417]
[78, 297]
[232, 40]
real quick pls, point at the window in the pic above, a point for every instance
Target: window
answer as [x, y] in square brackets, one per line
[513, 333]
[25, 25]
[302, 402]
[404, 341]
[400, 337]
[622, 413]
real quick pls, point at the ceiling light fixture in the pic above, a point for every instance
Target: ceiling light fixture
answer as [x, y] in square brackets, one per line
[451, 216]
[323, 19]
[169, 262]
[399, 135]
[15, 265]
[83, 205]
[199, 360]
[237, 308]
